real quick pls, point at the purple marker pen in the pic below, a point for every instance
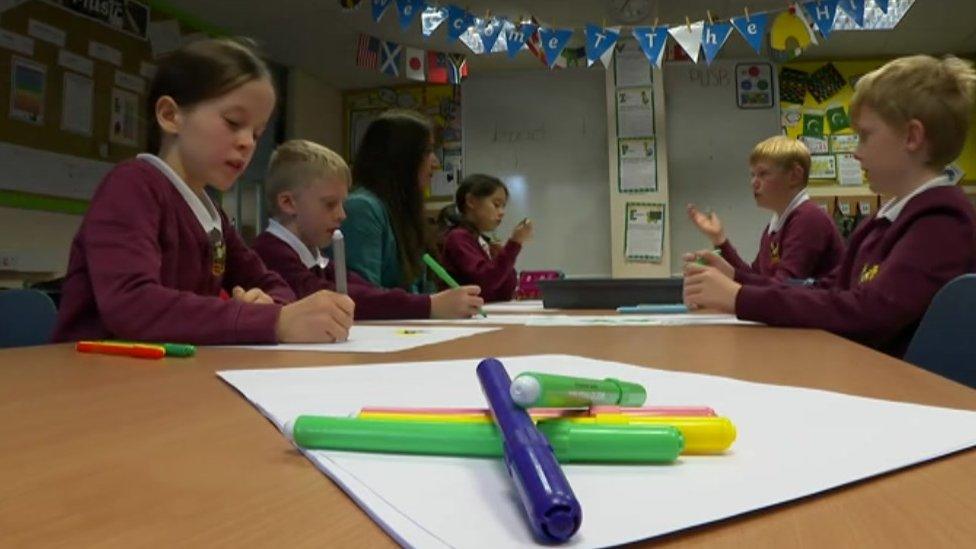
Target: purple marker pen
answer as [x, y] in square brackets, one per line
[546, 495]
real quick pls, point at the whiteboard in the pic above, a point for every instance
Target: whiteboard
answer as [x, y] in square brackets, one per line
[709, 141]
[544, 133]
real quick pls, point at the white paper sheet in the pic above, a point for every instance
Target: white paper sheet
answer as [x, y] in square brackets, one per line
[635, 112]
[442, 501]
[560, 320]
[379, 339]
[526, 306]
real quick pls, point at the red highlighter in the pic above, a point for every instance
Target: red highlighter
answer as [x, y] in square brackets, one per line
[121, 349]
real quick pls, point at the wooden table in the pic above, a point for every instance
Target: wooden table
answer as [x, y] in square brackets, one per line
[108, 451]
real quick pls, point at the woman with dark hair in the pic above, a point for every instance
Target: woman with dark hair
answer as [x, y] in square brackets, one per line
[385, 230]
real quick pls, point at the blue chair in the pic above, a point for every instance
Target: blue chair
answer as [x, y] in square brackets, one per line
[945, 342]
[27, 317]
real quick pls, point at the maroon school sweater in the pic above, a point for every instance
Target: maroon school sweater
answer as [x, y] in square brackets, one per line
[887, 278]
[467, 261]
[141, 267]
[372, 302]
[807, 245]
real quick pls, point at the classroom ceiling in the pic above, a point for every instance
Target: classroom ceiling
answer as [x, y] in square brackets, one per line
[319, 36]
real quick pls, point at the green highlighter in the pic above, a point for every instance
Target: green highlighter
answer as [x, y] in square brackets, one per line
[442, 273]
[582, 443]
[537, 390]
[181, 350]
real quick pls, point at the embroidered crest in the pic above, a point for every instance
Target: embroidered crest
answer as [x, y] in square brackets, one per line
[773, 253]
[219, 253]
[868, 272]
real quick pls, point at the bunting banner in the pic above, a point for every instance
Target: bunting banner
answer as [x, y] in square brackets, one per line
[652, 41]
[431, 18]
[689, 37]
[599, 44]
[822, 12]
[407, 11]
[379, 8]
[516, 37]
[713, 38]
[553, 43]
[753, 28]
[458, 21]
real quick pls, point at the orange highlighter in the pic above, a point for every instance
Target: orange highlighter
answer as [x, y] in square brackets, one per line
[135, 350]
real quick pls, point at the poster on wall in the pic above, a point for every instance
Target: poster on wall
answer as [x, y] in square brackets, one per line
[76, 107]
[635, 112]
[644, 232]
[27, 88]
[124, 128]
[754, 85]
[637, 165]
[125, 16]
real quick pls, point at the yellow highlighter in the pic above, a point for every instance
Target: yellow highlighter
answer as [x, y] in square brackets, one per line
[703, 435]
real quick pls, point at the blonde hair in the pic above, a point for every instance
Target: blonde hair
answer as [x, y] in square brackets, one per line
[936, 92]
[783, 152]
[296, 163]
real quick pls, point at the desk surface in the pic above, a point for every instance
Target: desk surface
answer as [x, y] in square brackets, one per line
[109, 451]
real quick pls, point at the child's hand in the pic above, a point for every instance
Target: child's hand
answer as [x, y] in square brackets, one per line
[707, 288]
[709, 224]
[712, 259]
[254, 295]
[523, 231]
[463, 302]
[323, 317]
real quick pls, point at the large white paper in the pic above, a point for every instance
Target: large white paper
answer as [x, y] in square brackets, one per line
[379, 339]
[644, 232]
[76, 106]
[429, 501]
[563, 320]
[635, 112]
[637, 163]
[631, 67]
[525, 306]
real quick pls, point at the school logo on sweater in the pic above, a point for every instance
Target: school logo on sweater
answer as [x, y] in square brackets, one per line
[773, 253]
[868, 272]
[219, 252]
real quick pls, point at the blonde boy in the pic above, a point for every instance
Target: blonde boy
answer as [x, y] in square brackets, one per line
[305, 190]
[800, 241]
[911, 116]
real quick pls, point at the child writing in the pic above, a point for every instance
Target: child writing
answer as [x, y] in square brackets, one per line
[800, 241]
[386, 232]
[153, 253]
[306, 186]
[468, 254]
[911, 117]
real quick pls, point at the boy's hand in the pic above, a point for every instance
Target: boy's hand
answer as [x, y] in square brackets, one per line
[523, 231]
[709, 224]
[323, 317]
[254, 295]
[707, 288]
[463, 302]
[711, 259]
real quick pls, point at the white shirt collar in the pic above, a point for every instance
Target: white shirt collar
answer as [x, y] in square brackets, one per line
[777, 221]
[203, 209]
[308, 258]
[893, 208]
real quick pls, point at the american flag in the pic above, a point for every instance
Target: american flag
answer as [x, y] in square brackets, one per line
[368, 52]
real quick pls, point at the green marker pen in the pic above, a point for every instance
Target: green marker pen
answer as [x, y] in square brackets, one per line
[181, 350]
[536, 390]
[701, 260]
[444, 275]
[571, 442]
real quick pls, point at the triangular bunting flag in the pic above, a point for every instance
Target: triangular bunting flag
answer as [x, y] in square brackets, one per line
[652, 41]
[882, 5]
[599, 43]
[431, 18]
[413, 67]
[689, 38]
[489, 32]
[553, 42]
[437, 67]
[349, 4]
[854, 8]
[807, 25]
[407, 10]
[753, 28]
[713, 38]
[390, 54]
[516, 37]
[458, 21]
[457, 69]
[379, 8]
[822, 13]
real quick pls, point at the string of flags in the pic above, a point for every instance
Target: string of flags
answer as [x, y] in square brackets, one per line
[414, 63]
[789, 30]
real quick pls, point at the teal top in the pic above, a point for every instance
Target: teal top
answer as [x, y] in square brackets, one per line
[371, 246]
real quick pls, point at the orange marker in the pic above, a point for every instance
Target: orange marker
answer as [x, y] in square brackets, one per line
[121, 349]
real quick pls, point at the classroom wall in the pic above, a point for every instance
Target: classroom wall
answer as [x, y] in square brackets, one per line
[314, 110]
[46, 236]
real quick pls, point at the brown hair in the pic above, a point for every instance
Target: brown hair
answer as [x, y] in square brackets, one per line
[200, 71]
[936, 92]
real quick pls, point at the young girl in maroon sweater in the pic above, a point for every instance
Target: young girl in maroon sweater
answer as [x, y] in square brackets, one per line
[154, 254]
[471, 256]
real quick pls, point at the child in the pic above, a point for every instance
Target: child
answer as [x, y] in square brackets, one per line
[911, 116]
[153, 253]
[469, 254]
[386, 231]
[305, 188]
[800, 241]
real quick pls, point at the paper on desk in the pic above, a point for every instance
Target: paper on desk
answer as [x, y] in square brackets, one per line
[526, 306]
[561, 320]
[379, 339]
[444, 501]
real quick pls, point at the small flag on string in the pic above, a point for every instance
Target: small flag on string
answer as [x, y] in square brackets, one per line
[457, 69]
[413, 67]
[553, 41]
[431, 18]
[390, 57]
[599, 44]
[407, 11]
[458, 21]
[437, 67]
[379, 8]
[752, 28]
[713, 38]
[367, 52]
[822, 13]
[689, 37]
[652, 41]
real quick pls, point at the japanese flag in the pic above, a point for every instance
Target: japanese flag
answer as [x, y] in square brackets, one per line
[414, 65]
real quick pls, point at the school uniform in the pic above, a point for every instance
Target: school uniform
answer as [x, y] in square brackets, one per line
[473, 260]
[799, 244]
[307, 271]
[150, 260]
[894, 265]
